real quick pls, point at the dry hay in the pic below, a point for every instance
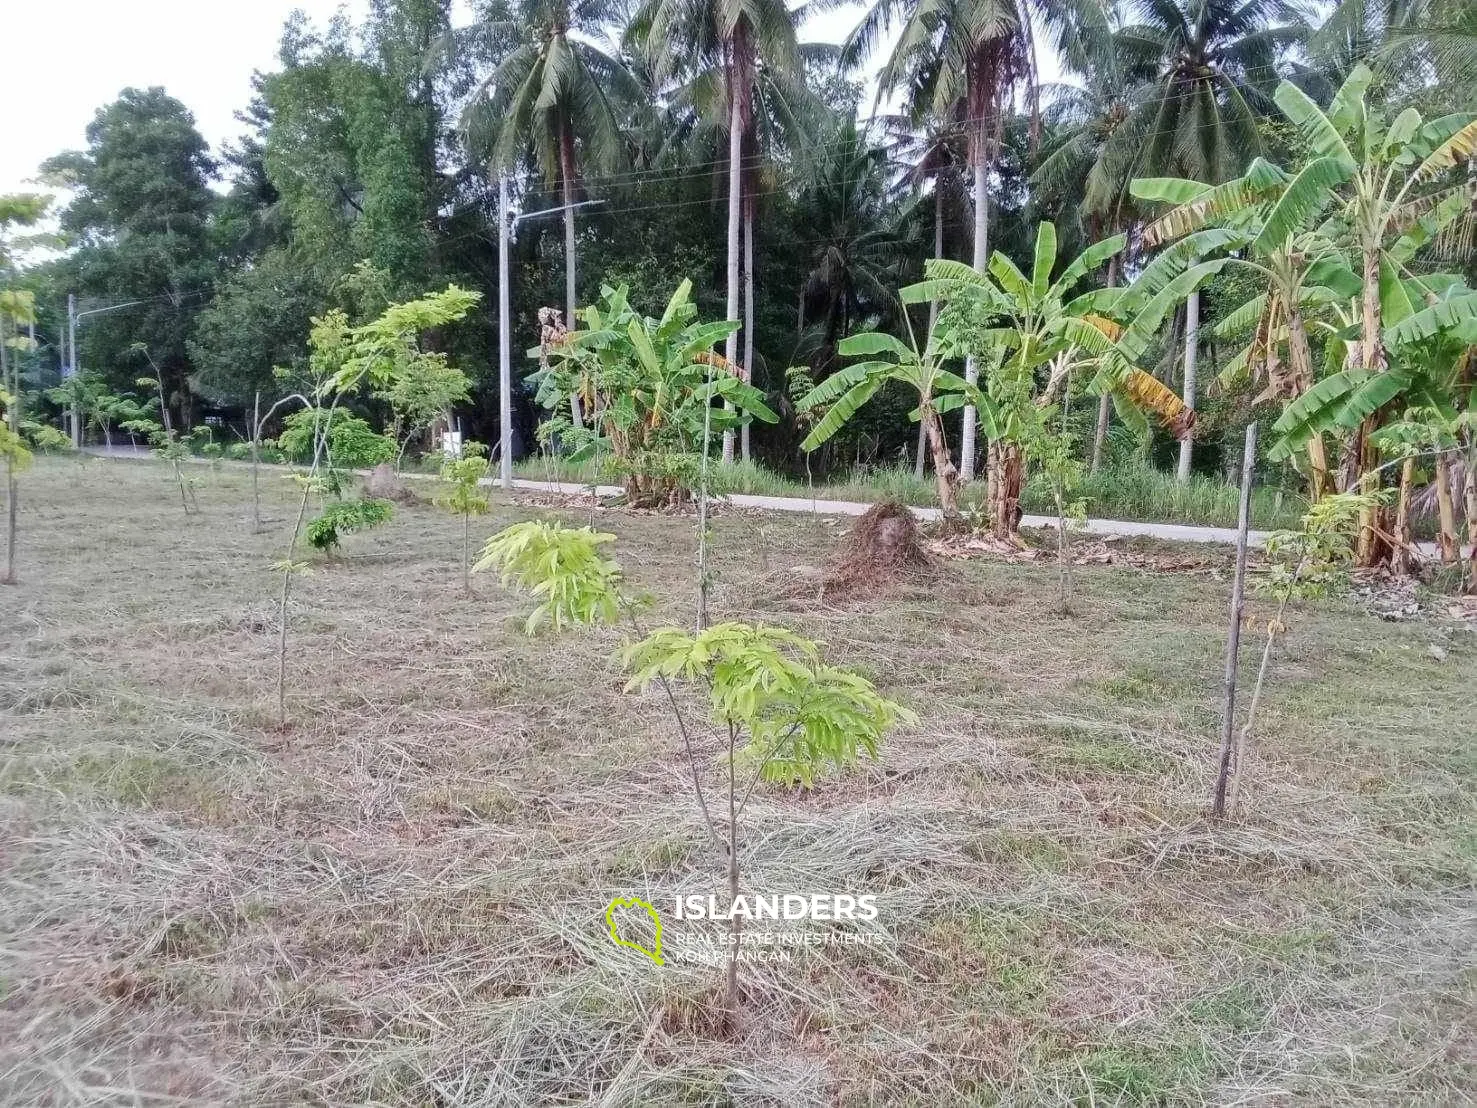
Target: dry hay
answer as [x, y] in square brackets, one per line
[585, 501]
[1109, 551]
[883, 549]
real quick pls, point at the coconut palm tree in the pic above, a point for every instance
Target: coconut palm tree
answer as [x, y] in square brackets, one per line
[858, 244]
[935, 151]
[721, 56]
[555, 92]
[1215, 66]
[978, 53]
[1090, 163]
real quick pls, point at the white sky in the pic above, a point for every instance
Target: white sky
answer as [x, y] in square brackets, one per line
[70, 57]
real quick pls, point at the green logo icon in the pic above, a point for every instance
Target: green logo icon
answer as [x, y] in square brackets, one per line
[655, 950]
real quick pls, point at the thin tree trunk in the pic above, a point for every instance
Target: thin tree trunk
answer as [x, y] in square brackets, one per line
[1446, 512]
[734, 922]
[748, 312]
[1063, 562]
[1302, 372]
[12, 504]
[1369, 548]
[1471, 497]
[1105, 402]
[571, 304]
[945, 474]
[1192, 354]
[256, 495]
[1400, 557]
[466, 554]
[1011, 466]
[992, 479]
[736, 78]
[981, 260]
[1233, 632]
[933, 310]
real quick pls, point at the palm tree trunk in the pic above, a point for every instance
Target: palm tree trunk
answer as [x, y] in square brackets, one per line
[1400, 558]
[1011, 466]
[933, 308]
[981, 258]
[566, 171]
[1446, 512]
[748, 312]
[943, 466]
[736, 77]
[1471, 491]
[1105, 402]
[1369, 548]
[1192, 354]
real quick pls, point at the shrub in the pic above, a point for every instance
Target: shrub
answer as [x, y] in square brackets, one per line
[344, 516]
[352, 442]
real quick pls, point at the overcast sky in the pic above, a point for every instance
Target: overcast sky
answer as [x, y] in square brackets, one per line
[67, 58]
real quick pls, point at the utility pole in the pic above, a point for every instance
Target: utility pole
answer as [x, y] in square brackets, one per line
[72, 372]
[507, 226]
[504, 338]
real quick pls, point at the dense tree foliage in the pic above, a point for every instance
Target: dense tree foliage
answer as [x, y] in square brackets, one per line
[712, 144]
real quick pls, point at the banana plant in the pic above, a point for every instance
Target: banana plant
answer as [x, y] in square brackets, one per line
[1420, 390]
[1390, 191]
[651, 387]
[1031, 334]
[1302, 271]
[841, 395]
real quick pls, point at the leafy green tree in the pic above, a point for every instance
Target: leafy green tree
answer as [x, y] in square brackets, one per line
[726, 55]
[140, 218]
[422, 390]
[1298, 268]
[462, 494]
[859, 247]
[939, 391]
[556, 92]
[17, 310]
[351, 139]
[258, 320]
[1390, 190]
[783, 715]
[1021, 327]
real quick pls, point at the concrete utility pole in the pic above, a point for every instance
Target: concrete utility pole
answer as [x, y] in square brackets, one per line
[72, 371]
[507, 227]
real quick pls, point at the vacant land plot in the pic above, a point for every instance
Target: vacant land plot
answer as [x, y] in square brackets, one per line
[399, 898]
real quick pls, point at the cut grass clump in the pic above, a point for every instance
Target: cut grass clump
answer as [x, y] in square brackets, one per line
[1074, 752]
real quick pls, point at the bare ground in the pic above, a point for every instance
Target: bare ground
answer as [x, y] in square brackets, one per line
[399, 899]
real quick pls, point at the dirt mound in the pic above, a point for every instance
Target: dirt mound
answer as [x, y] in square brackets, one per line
[884, 547]
[383, 484]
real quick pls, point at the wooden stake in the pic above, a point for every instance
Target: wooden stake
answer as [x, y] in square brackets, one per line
[1233, 632]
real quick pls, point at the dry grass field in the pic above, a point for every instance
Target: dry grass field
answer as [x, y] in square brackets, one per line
[399, 898]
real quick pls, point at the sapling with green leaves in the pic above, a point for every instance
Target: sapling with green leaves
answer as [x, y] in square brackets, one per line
[1306, 564]
[17, 308]
[17, 458]
[782, 715]
[342, 359]
[462, 494]
[836, 399]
